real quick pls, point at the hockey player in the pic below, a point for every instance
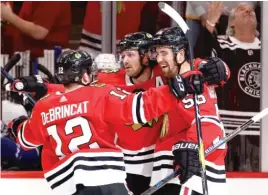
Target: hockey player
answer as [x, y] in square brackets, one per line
[174, 149]
[136, 140]
[141, 73]
[73, 126]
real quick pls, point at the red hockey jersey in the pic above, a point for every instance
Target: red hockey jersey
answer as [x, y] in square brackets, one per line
[181, 126]
[73, 127]
[137, 141]
[119, 77]
[52, 88]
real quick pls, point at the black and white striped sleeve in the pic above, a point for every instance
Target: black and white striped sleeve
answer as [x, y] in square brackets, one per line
[138, 108]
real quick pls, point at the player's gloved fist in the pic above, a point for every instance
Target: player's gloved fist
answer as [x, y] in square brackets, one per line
[215, 71]
[191, 82]
[14, 124]
[29, 84]
[177, 87]
[186, 157]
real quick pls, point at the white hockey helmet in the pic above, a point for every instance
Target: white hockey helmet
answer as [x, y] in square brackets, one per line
[106, 61]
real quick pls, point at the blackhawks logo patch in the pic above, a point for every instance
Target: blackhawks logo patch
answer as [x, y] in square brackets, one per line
[249, 79]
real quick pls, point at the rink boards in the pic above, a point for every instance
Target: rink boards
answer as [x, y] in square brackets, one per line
[32, 183]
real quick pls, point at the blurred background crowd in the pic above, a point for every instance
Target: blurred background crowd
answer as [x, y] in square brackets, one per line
[38, 30]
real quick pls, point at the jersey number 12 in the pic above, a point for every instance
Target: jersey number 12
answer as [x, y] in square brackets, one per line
[75, 141]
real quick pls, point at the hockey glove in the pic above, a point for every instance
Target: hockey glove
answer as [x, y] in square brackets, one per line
[190, 82]
[13, 126]
[29, 84]
[186, 157]
[215, 71]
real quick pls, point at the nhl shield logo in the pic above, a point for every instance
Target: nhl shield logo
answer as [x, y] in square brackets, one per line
[249, 79]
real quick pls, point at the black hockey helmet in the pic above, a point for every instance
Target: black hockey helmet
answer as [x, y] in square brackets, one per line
[140, 41]
[172, 37]
[71, 66]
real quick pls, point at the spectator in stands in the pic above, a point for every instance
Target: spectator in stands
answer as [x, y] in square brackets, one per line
[7, 35]
[196, 17]
[240, 49]
[128, 20]
[41, 25]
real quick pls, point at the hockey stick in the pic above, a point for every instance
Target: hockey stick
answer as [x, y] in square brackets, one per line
[179, 20]
[13, 60]
[209, 150]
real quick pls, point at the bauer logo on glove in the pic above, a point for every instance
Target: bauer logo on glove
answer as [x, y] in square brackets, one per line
[185, 145]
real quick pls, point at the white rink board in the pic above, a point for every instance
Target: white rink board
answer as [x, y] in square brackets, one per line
[38, 186]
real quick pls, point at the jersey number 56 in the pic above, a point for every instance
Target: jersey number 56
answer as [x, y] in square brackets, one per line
[189, 101]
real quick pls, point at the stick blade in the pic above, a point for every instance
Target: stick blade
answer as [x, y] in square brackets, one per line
[260, 115]
[174, 15]
[161, 5]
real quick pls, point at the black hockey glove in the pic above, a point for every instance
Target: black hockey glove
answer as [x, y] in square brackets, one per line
[29, 84]
[215, 71]
[13, 126]
[186, 157]
[191, 82]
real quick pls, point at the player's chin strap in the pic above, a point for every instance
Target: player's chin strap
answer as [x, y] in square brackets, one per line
[179, 64]
[175, 59]
[141, 72]
[143, 67]
[151, 64]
